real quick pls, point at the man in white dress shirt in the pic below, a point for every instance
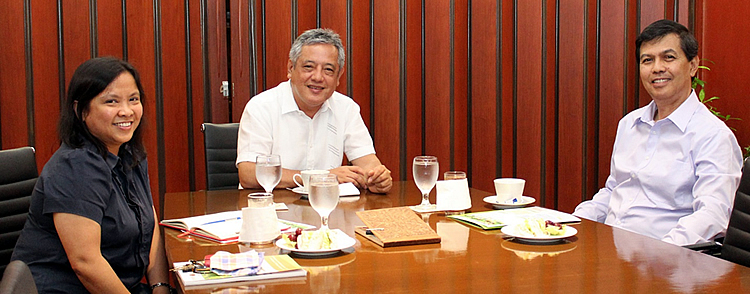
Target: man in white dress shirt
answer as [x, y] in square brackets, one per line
[675, 166]
[308, 124]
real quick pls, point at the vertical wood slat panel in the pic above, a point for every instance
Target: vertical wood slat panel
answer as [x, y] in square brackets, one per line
[175, 97]
[528, 96]
[307, 17]
[141, 54]
[484, 92]
[414, 91]
[241, 57]
[571, 107]
[632, 85]
[460, 85]
[611, 100]
[506, 152]
[549, 110]
[76, 38]
[683, 9]
[360, 59]
[278, 41]
[216, 45]
[197, 98]
[591, 105]
[651, 11]
[13, 118]
[386, 92]
[333, 16]
[437, 82]
[46, 92]
[109, 28]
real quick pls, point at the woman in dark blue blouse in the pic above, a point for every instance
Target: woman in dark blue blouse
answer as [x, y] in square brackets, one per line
[92, 225]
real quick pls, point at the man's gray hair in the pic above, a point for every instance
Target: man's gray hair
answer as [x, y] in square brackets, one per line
[317, 36]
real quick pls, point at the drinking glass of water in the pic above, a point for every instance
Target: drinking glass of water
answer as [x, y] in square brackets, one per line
[268, 171]
[324, 195]
[425, 169]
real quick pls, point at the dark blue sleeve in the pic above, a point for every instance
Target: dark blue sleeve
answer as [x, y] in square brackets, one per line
[80, 184]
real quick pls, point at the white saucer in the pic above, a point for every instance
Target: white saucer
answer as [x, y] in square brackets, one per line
[520, 202]
[300, 190]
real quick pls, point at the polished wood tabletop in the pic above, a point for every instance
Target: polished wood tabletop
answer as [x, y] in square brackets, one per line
[599, 259]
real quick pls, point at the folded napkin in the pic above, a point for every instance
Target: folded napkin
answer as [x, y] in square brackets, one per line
[239, 264]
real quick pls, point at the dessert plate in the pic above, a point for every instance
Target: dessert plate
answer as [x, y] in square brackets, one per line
[344, 241]
[515, 232]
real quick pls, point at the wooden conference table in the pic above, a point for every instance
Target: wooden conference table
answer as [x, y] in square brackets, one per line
[599, 259]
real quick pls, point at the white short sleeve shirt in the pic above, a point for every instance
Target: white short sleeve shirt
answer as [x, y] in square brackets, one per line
[272, 123]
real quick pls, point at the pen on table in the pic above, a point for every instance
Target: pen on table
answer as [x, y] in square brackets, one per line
[369, 230]
[221, 221]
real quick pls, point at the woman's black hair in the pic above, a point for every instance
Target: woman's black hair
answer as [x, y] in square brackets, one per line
[88, 81]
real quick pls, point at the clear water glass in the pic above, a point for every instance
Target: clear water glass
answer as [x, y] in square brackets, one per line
[324, 196]
[268, 171]
[425, 170]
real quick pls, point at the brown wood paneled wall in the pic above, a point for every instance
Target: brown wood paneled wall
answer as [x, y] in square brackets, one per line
[497, 88]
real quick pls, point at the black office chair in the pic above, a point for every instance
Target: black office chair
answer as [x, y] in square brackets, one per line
[17, 279]
[736, 246]
[18, 176]
[220, 141]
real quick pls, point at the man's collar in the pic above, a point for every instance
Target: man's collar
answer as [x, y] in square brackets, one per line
[680, 116]
[288, 103]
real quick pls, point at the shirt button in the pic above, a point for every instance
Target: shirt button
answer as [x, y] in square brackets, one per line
[619, 222]
[647, 157]
[632, 175]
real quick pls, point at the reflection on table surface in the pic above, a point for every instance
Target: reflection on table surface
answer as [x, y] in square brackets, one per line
[597, 260]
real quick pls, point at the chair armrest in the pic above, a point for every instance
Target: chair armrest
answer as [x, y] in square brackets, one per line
[710, 248]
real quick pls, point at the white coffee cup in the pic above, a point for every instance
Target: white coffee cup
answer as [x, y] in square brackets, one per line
[305, 177]
[508, 188]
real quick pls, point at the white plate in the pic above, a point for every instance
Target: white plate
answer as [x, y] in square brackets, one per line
[344, 242]
[515, 232]
[300, 190]
[521, 202]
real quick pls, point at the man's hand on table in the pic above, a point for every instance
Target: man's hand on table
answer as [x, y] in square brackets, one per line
[379, 179]
[351, 174]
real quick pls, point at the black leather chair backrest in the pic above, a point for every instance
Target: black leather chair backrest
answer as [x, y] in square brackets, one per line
[220, 141]
[18, 176]
[737, 241]
[17, 279]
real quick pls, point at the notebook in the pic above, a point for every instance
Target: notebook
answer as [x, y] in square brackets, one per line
[222, 227]
[398, 226]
